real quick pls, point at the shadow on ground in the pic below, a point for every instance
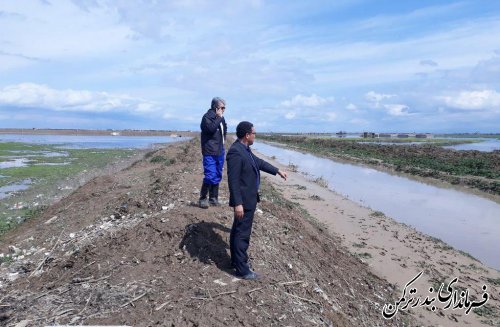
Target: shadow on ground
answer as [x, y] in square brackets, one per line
[202, 241]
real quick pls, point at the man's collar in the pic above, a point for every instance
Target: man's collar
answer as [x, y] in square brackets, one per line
[245, 145]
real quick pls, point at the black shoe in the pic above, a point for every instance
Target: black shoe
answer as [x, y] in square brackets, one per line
[214, 195]
[251, 276]
[214, 202]
[203, 203]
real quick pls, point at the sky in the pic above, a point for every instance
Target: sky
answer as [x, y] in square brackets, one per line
[285, 66]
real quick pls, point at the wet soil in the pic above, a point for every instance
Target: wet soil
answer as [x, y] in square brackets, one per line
[132, 248]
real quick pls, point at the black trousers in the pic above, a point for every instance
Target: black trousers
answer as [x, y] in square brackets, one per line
[239, 241]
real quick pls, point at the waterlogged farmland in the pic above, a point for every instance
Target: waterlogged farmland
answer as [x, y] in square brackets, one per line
[37, 170]
[475, 169]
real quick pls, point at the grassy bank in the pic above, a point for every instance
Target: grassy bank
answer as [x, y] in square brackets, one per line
[478, 170]
[436, 141]
[46, 167]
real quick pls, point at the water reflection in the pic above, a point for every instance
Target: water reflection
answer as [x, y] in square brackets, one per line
[18, 162]
[6, 191]
[47, 154]
[487, 145]
[467, 222]
[91, 141]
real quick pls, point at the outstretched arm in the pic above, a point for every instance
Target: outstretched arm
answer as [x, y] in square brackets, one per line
[268, 168]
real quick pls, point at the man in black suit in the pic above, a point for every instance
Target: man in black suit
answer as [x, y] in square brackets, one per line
[243, 174]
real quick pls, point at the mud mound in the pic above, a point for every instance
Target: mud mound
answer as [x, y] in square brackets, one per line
[134, 249]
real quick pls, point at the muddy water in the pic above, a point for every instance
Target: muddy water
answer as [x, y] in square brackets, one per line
[467, 222]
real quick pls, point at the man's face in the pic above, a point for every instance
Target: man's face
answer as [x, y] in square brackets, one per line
[251, 136]
[222, 106]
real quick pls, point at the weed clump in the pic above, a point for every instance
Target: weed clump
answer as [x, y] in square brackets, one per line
[163, 160]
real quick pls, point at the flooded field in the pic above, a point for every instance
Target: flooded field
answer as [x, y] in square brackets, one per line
[7, 190]
[90, 141]
[35, 167]
[486, 145]
[467, 222]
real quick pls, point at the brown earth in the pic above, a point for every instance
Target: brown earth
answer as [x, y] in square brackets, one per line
[397, 252]
[132, 248]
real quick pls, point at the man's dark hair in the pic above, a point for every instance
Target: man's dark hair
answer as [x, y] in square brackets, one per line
[243, 128]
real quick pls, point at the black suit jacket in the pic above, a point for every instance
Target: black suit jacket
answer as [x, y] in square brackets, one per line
[242, 176]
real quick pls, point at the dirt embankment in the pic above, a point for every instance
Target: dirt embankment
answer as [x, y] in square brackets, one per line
[132, 248]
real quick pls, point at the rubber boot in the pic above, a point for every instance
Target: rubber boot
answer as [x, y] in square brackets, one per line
[203, 202]
[214, 195]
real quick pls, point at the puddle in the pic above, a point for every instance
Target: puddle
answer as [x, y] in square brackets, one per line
[52, 164]
[465, 221]
[47, 154]
[6, 191]
[18, 162]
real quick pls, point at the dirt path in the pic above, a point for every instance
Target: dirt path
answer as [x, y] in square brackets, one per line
[131, 248]
[396, 252]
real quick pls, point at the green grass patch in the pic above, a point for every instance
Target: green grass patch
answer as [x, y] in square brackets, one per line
[364, 255]
[494, 281]
[163, 160]
[486, 311]
[7, 259]
[46, 167]
[359, 245]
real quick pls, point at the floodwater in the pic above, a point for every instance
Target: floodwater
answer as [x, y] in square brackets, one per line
[6, 191]
[467, 222]
[91, 141]
[13, 162]
[487, 145]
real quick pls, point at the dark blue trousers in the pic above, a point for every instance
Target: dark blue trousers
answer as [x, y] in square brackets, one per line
[239, 241]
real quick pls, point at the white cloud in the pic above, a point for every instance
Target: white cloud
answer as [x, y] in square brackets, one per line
[331, 116]
[63, 30]
[351, 107]
[431, 63]
[473, 100]
[290, 115]
[307, 101]
[41, 96]
[397, 109]
[373, 96]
